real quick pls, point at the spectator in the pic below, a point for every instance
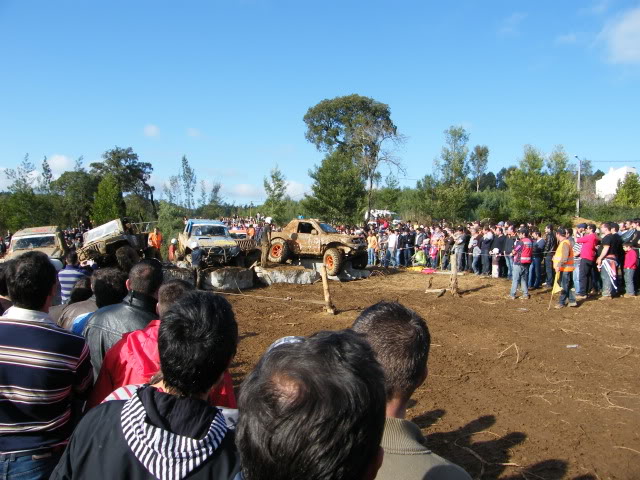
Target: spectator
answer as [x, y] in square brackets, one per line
[563, 262]
[313, 410]
[607, 261]
[155, 244]
[400, 340]
[134, 359]
[630, 263]
[5, 301]
[69, 275]
[109, 287]
[107, 326]
[166, 430]
[535, 270]
[550, 246]
[172, 250]
[81, 291]
[372, 248]
[522, 252]
[589, 242]
[39, 356]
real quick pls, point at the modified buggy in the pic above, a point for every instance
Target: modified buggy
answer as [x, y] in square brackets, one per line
[313, 238]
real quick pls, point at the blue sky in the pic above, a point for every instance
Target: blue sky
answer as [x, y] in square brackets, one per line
[227, 83]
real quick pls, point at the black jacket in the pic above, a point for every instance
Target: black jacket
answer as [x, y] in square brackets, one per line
[550, 244]
[108, 324]
[114, 440]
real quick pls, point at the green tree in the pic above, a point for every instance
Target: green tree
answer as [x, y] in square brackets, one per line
[276, 187]
[628, 193]
[108, 203]
[337, 189]
[169, 222]
[387, 197]
[130, 173]
[22, 176]
[453, 167]
[46, 177]
[501, 177]
[359, 127]
[542, 191]
[76, 190]
[189, 180]
[479, 159]
[488, 181]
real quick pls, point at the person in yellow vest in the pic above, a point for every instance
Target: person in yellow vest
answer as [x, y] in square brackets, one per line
[563, 263]
[155, 243]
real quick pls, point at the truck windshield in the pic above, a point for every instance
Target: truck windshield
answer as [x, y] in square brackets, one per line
[39, 241]
[327, 228]
[209, 231]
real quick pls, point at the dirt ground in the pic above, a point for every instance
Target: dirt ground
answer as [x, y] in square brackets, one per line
[514, 390]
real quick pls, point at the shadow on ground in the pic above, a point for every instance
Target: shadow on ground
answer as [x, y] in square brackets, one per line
[485, 454]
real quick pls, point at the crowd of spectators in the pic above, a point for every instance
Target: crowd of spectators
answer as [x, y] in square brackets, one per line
[604, 257]
[129, 379]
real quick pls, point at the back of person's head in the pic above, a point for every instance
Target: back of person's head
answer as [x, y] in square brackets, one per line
[170, 292]
[146, 277]
[30, 280]
[3, 278]
[197, 340]
[126, 258]
[401, 341]
[313, 410]
[109, 285]
[561, 231]
[81, 290]
[71, 258]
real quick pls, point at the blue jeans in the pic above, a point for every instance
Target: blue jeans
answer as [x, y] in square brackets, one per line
[629, 285]
[27, 467]
[576, 275]
[535, 273]
[391, 260]
[476, 264]
[566, 282]
[509, 260]
[371, 253]
[548, 267]
[520, 276]
[607, 286]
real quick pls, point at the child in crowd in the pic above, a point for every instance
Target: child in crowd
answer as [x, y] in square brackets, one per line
[630, 263]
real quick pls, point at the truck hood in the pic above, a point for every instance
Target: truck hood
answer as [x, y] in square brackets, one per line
[215, 241]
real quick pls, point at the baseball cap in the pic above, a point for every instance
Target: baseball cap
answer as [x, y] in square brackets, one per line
[582, 225]
[193, 245]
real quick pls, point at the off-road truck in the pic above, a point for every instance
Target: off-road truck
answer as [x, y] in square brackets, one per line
[313, 238]
[48, 240]
[115, 242]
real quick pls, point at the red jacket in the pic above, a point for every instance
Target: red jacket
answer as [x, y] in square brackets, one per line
[135, 359]
[589, 243]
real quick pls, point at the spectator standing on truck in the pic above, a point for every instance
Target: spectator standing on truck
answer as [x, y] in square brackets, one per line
[196, 262]
[155, 243]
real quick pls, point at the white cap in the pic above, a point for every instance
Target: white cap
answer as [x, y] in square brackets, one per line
[194, 245]
[268, 220]
[174, 241]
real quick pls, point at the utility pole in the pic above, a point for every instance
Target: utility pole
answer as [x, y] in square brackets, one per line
[579, 173]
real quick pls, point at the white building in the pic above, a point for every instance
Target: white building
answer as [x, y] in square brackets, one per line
[607, 186]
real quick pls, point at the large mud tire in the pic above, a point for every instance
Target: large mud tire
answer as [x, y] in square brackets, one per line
[279, 251]
[359, 262]
[126, 257]
[333, 260]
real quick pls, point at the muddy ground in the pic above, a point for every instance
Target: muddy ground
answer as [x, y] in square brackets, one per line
[506, 397]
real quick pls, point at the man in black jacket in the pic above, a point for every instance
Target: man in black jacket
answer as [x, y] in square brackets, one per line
[550, 247]
[108, 324]
[166, 430]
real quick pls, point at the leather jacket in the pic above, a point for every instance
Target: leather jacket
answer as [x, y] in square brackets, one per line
[107, 325]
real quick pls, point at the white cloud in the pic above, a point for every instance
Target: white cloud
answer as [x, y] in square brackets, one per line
[596, 8]
[567, 39]
[622, 37]
[511, 24]
[194, 133]
[296, 190]
[244, 190]
[59, 164]
[151, 130]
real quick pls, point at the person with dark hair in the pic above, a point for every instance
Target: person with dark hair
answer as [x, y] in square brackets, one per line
[107, 325]
[166, 430]
[37, 356]
[563, 262]
[589, 242]
[69, 275]
[535, 270]
[400, 340]
[629, 270]
[5, 301]
[550, 246]
[134, 360]
[80, 292]
[313, 409]
[522, 253]
[607, 261]
[109, 287]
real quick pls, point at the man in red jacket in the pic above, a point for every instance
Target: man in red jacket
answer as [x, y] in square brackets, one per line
[134, 360]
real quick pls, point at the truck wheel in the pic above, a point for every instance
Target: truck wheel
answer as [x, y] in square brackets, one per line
[279, 251]
[126, 257]
[359, 262]
[333, 259]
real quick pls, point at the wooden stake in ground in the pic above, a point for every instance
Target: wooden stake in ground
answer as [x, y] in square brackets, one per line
[453, 283]
[327, 295]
